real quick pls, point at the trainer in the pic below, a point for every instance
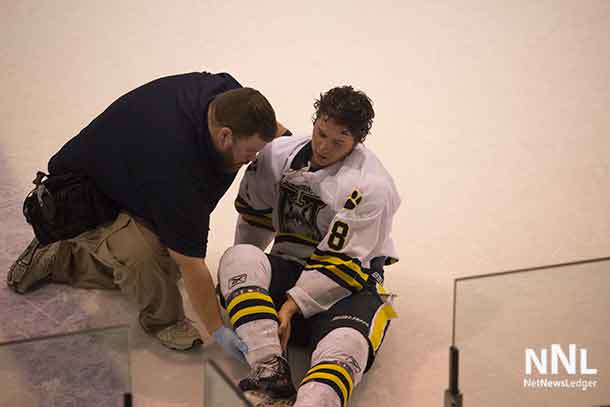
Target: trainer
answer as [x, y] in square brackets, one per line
[164, 153]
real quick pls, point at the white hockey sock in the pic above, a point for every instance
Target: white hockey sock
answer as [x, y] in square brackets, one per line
[314, 394]
[261, 338]
[338, 364]
[244, 275]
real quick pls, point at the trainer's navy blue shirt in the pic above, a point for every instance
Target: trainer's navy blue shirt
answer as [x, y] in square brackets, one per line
[150, 151]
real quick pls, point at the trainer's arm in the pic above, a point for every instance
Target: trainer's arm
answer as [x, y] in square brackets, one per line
[200, 289]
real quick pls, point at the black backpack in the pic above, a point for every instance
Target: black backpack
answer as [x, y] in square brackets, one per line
[64, 206]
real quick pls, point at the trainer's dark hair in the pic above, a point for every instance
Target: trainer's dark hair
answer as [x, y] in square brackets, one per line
[348, 107]
[246, 112]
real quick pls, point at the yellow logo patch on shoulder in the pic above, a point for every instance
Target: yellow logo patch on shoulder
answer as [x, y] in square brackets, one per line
[354, 200]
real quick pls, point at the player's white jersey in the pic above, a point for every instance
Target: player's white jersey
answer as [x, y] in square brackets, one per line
[336, 220]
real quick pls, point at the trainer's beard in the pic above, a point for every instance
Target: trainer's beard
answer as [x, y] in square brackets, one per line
[229, 165]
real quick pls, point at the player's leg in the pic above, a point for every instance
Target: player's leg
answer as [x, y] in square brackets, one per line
[252, 286]
[337, 366]
[244, 276]
[351, 333]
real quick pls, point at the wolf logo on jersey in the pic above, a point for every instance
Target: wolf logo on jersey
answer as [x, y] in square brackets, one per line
[298, 211]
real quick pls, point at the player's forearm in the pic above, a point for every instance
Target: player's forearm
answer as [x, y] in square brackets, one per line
[314, 293]
[290, 307]
[200, 289]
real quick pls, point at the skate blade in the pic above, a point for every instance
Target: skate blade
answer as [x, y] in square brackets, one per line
[260, 399]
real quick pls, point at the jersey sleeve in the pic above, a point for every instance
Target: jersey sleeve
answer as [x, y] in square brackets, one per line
[339, 266]
[254, 203]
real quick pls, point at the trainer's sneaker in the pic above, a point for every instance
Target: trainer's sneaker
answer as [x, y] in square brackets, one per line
[32, 268]
[181, 336]
[269, 383]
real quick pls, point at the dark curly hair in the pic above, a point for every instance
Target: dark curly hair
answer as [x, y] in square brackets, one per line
[348, 107]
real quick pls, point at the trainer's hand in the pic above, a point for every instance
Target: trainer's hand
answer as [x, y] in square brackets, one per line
[284, 316]
[231, 343]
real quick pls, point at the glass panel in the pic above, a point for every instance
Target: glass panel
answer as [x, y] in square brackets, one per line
[86, 368]
[219, 389]
[537, 337]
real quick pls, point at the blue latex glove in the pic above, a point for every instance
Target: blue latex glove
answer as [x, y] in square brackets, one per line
[230, 342]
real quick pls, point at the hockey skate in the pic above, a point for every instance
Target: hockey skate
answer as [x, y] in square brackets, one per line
[269, 384]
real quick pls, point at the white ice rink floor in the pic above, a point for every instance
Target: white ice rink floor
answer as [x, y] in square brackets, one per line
[493, 117]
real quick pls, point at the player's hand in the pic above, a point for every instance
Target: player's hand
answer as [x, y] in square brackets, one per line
[284, 316]
[284, 328]
[231, 343]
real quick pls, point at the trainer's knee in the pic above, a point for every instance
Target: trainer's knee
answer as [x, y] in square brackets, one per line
[129, 246]
[241, 266]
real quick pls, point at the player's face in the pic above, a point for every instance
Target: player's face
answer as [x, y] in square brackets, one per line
[330, 142]
[243, 150]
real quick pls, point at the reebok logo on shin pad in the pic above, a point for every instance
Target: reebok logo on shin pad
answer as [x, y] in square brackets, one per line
[240, 279]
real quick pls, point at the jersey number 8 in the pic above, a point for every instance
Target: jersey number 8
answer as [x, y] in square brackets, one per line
[338, 234]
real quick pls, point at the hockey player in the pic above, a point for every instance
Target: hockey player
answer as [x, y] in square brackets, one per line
[328, 203]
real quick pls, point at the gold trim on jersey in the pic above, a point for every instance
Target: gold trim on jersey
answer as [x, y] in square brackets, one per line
[256, 217]
[344, 277]
[341, 268]
[260, 221]
[297, 238]
[390, 260]
[337, 261]
[380, 322]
